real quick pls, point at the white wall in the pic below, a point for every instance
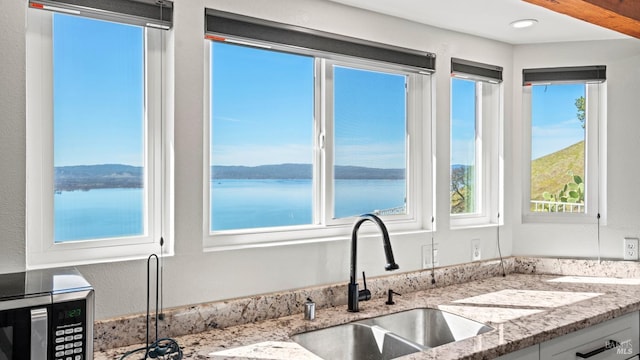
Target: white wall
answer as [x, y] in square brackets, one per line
[12, 141]
[192, 276]
[622, 58]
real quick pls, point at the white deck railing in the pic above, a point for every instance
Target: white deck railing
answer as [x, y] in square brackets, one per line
[556, 206]
[399, 210]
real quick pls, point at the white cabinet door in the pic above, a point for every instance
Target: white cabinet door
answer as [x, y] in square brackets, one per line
[530, 353]
[616, 339]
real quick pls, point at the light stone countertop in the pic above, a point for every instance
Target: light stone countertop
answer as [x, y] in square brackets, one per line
[524, 309]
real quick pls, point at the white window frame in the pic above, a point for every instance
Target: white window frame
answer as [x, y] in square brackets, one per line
[595, 161]
[323, 228]
[489, 120]
[42, 252]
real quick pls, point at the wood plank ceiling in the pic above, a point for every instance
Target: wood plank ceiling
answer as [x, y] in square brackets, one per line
[620, 15]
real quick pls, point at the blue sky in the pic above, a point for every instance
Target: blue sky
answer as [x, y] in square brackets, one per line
[463, 127]
[262, 106]
[555, 124]
[98, 92]
[370, 112]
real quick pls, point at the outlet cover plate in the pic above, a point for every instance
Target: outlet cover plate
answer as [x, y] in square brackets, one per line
[427, 256]
[476, 253]
[630, 248]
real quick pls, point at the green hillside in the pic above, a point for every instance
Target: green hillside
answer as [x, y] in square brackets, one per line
[550, 172]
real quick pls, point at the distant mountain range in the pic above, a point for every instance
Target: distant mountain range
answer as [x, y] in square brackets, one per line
[301, 171]
[109, 176]
[87, 177]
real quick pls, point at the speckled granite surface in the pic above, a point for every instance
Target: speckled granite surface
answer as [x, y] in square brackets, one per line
[541, 310]
[123, 331]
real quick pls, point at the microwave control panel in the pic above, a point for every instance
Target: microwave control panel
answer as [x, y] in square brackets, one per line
[69, 330]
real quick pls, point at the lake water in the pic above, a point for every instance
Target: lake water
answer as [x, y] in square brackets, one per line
[242, 204]
[236, 204]
[98, 213]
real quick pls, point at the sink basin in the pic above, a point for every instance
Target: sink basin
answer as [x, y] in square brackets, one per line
[390, 336]
[355, 341]
[429, 327]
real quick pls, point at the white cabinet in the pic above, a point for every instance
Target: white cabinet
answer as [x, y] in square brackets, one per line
[530, 353]
[616, 339]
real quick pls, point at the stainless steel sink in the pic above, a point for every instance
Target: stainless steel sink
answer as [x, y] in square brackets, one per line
[390, 336]
[355, 341]
[429, 327]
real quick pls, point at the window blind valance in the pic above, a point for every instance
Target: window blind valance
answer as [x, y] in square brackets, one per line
[476, 70]
[596, 73]
[151, 13]
[220, 25]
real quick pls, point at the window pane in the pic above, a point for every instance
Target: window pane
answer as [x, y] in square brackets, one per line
[261, 138]
[464, 189]
[558, 148]
[370, 142]
[99, 129]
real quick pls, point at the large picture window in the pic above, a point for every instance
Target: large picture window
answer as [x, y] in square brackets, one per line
[301, 142]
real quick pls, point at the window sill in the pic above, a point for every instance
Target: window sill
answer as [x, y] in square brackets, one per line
[303, 241]
[460, 222]
[474, 226]
[66, 256]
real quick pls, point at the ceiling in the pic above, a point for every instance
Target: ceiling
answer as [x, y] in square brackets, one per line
[490, 19]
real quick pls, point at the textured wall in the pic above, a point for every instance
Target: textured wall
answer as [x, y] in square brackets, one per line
[12, 136]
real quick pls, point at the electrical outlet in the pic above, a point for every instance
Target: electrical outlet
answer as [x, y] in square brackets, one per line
[427, 256]
[476, 254]
[630, 248]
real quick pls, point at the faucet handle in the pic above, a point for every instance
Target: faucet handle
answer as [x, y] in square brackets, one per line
[364, 280]
[365, 294]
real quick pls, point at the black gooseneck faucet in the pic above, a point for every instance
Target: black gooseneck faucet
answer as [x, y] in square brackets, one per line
[354, 296]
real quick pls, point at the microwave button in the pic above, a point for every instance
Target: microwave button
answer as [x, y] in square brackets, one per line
[68, 331]
[78, 357]
[68, 338]
[59, 353]
[59, 347]
[77, 350]
[77, 329]
[68, 352]
[77, 344]
[68, 346]
[59, 340]
[59, 332]
[68, 358]
[77, 336]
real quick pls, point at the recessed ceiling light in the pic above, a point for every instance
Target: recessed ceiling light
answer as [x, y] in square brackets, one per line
[524, 23]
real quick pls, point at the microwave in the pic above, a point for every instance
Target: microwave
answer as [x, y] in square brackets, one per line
[46, 315]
